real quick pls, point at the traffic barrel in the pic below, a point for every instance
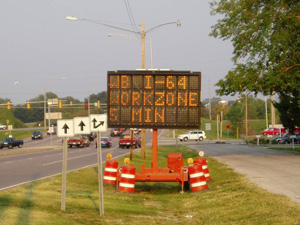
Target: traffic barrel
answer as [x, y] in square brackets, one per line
[197, 178]
[127, 180]
[202, 161]
[110, 172]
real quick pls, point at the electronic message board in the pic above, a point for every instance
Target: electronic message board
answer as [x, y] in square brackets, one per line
[154, 99]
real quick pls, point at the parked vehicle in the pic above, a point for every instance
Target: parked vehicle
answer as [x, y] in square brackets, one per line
[37, 135]
[192, 135]
[78, 141]
[2, 127]
[273, 131]
[116, 132]
[125, 141]
[286, 139]
[105, 142]
[11, 142]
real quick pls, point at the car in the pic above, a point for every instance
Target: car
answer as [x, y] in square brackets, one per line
[92, 136]
[273, 131]
[105, 142]
[286, 139]
[37, 135]
[197, 135]
[2, 127]
[116, 132]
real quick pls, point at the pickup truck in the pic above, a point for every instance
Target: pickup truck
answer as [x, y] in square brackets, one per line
[78, 141]
[11, 142]
[125, 141]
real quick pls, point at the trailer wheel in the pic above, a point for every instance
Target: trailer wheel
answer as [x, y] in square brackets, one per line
[186, 185]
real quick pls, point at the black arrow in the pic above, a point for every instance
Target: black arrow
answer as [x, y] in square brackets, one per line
[65, 127]
[81, 125]
[95, 121]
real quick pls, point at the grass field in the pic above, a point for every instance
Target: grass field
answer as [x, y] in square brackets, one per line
[231, 199]
[17, 134]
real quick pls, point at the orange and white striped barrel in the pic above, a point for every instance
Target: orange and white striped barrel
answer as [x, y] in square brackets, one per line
[197, 178]
[203, 162]
[110, 172]
[127, 180]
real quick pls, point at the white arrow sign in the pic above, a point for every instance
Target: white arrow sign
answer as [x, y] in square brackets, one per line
[65, 128]
[82, 125]
[98, 122]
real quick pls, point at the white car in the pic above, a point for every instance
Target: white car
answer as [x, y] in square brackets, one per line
[2, 127]
[192, 135]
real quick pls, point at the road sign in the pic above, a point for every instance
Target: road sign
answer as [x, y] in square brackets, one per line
[82, 125]
[65, 128]
[154, 99]
[227, 127]
[98, 122]
[208, 126]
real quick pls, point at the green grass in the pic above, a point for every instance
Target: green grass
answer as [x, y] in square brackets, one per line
[17, 134]
[231, 199]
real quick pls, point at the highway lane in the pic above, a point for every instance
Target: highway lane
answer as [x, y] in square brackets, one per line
[25, 168]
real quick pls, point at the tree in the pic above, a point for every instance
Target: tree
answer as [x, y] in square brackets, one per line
[101, 96]
[289, 110]
[266, 40]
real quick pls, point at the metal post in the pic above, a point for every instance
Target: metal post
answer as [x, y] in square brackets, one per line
[154, 150]
[45, 107]
[131, 144]
[218, 127]
[64, 176]
[100, 176]
[50, 131]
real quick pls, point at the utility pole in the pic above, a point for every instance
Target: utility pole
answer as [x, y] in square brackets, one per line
[143, 144]
[266, 106]
[246, 114]
[209, 99]
[272, 112]
[221, 124]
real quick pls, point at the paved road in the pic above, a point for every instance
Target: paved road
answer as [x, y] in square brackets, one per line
[275, 171]
[40, 159]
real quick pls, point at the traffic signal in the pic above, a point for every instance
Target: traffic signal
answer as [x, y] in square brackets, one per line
[98, 104]
[8, 105]
[86, 106]
[60, 104]
[28, 105]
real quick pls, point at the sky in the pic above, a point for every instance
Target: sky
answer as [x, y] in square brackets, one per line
[41, 50]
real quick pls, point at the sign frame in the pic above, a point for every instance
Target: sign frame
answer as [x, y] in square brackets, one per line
[98, 122]
[82, 125]
[173, 114]
[65, 128]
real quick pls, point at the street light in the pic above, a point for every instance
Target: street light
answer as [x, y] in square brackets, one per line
[136, 38]
[142, 35]
[45, 86]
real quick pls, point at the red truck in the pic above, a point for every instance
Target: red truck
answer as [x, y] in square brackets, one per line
[78, 141]
[125, 141]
